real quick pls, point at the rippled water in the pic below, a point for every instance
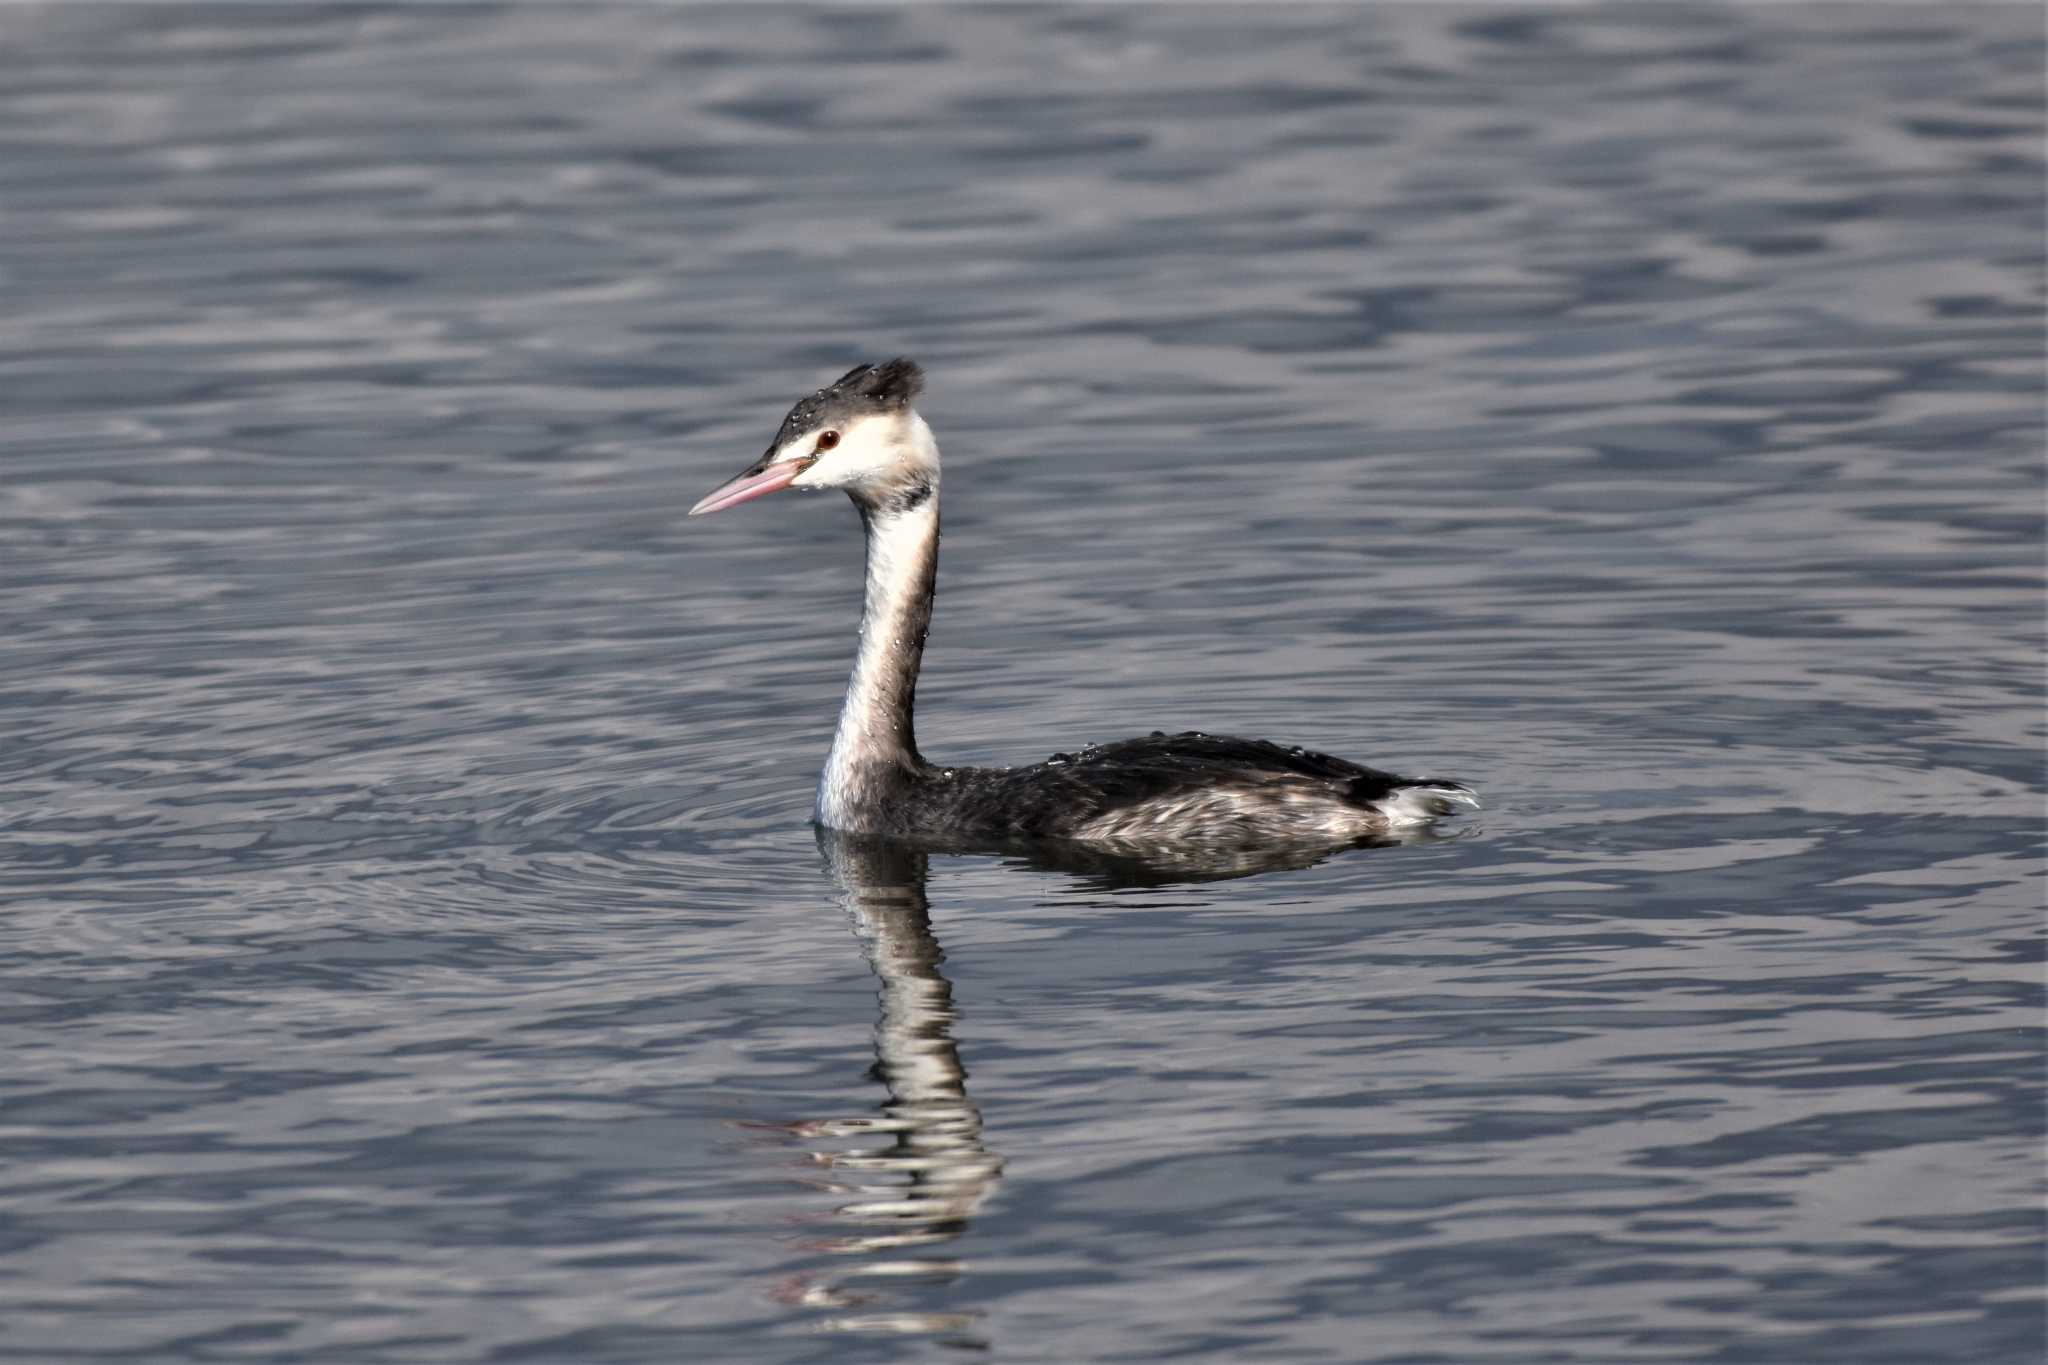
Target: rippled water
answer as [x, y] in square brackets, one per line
[415, 949]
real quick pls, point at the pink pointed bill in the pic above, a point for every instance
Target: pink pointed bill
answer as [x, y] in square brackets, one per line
[748, 486]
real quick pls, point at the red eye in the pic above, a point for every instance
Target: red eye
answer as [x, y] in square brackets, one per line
[827, 439]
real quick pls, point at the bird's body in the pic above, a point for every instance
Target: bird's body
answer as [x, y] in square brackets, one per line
[861, 434]
[1212, 788]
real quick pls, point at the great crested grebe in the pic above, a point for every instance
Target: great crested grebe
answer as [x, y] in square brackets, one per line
[860, 433]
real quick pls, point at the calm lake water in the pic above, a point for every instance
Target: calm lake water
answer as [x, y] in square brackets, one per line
[415, 949]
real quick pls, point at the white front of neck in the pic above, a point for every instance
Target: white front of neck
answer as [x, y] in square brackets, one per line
[901, 545]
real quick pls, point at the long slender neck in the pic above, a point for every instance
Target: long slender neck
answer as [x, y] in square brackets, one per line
[874, 755]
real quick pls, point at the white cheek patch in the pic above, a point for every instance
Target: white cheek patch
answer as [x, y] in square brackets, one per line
[869, 448]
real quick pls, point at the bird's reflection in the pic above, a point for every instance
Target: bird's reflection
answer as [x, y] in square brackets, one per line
[910, 1197]
[906, 1199]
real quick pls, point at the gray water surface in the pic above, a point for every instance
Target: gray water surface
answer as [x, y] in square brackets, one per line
[414, 947]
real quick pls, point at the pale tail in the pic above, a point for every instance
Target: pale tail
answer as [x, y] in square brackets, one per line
[1424, 800]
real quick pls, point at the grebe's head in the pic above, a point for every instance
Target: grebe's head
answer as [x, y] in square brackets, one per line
[858, 433]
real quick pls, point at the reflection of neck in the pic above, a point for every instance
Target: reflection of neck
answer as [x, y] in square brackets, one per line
[936, 1124]
[874, 754]
[919, 1061]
